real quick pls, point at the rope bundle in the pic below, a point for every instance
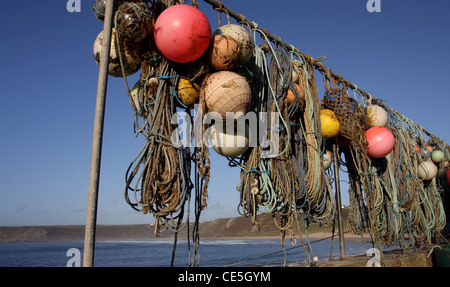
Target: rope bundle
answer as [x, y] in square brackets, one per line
[387, 199]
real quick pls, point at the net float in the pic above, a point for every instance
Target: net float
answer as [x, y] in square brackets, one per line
[329, 123]
[437, 156]
[229, 144]
[430, 148]
[243, 39]
[227, 92]
[136, 104]
[182, 33]
[426, 154]
[427, 170]
[223, 52]
[131, 55]
[188, 93]
[377, 116]
[381, 141]
[327, 159]
[134, 21]
[290, 96]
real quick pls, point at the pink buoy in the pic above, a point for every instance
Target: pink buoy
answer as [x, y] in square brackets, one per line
[381, 141]
[182, 33]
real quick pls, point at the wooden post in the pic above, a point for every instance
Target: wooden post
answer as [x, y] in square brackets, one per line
[338, 201]
[94, 177]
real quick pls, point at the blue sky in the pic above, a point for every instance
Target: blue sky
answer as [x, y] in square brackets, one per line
[49, 81]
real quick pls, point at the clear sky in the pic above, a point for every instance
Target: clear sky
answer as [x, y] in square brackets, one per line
[49, 81]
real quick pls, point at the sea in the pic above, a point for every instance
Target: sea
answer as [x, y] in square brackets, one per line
[158, 253]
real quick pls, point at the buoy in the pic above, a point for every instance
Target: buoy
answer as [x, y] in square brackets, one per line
[330, 124]
[327, 159]
[437, 156]
[135, 98]
[291, 96]
[381, 141]
[227, 91]
[427, 170]
[131, 55]
[426, 154]
[223, 52]
[182, 33]
[242, 37]
[377, 116]
[430, 148]
[229, 145]
[188, 93]
[134, 21]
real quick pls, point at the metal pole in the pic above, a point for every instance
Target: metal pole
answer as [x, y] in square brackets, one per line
[91, 214]
[338, 201]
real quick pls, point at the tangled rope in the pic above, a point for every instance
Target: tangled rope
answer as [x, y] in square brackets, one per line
[387, 198]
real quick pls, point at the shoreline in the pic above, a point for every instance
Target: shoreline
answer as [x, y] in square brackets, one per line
[315, 236]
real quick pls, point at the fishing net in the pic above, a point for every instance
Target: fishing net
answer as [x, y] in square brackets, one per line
[284, 174]
[352, 117]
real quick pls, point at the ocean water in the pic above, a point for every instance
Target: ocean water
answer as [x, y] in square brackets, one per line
[157, 253]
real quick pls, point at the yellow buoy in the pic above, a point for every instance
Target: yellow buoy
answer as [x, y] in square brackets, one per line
[330, 124]
[188, 92]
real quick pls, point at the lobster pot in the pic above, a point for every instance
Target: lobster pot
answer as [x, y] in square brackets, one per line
[131, 55]
[351, 117]
[227, 92]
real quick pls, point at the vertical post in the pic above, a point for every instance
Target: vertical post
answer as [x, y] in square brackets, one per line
[94, 177]
[338, 201]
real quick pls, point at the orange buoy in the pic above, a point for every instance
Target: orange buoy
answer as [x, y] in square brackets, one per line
[223, 52]
[290, 96]
[242, 37]
[227, 92]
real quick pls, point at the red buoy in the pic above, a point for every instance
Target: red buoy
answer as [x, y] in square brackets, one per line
[182, 33]
[381, 141]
